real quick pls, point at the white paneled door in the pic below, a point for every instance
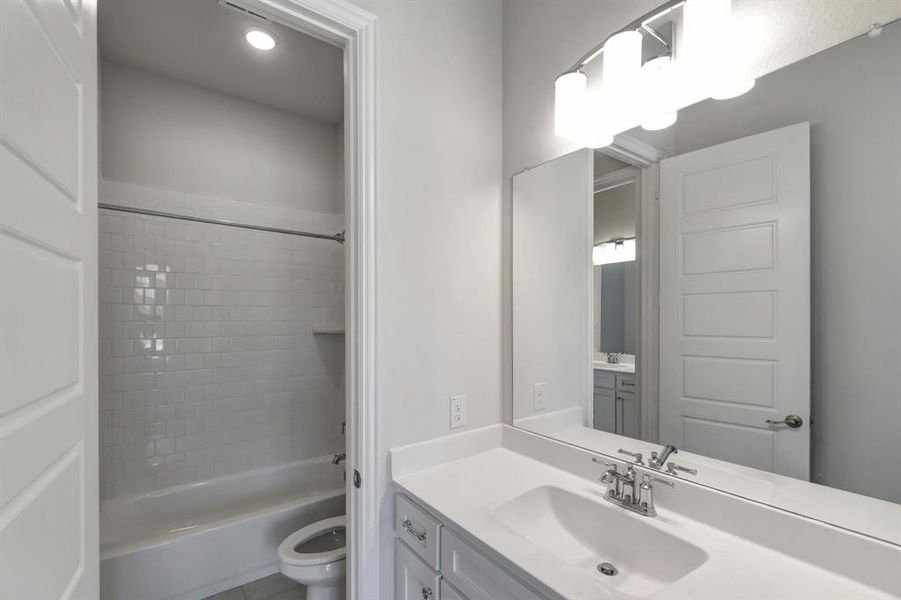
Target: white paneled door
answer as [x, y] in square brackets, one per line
[48, 300]
[735, 301]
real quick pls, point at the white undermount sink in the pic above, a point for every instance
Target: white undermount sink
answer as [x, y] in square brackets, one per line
[585, 532]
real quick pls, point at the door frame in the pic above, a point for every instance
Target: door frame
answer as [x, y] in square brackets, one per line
[646, 158]
[347, 26]
[645, 175]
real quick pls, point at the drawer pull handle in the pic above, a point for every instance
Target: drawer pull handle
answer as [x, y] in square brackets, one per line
[419, 535]
[426, 593]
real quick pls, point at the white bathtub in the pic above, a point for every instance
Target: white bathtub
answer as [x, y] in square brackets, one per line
[194, 540]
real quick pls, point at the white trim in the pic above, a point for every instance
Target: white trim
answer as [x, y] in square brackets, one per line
[615, 179]
[633, 151]
[348, 26]
[649, 286]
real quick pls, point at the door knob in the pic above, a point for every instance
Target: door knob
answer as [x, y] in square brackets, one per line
[793, 421]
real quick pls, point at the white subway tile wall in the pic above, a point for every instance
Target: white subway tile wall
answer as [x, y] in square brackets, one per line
[208, 363]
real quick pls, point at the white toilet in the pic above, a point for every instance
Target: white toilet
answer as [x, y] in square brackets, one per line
[316, 557]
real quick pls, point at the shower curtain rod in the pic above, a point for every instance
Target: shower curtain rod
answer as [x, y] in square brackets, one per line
[338, 237]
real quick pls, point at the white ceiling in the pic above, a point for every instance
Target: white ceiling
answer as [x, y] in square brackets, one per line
[201, 42]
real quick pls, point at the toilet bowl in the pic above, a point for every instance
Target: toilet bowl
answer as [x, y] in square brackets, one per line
[316, 557]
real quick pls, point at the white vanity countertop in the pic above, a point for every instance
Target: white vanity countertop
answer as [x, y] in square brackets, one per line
[600, 365]
[466, 491]
[873, 517]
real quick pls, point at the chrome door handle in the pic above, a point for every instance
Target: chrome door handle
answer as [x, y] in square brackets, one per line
[426, 593]
[408, 525]
[793, 421]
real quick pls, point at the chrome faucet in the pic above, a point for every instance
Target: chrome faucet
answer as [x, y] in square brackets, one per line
[646, 495]
[658, 460]
[626, 491]
[613, 358]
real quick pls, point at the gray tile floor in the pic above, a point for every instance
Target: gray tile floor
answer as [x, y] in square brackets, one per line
[273, 587]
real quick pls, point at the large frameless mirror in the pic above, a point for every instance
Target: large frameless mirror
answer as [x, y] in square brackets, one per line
[734, 297]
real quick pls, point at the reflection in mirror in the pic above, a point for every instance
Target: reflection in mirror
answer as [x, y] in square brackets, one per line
[614, 295]
[778, 346]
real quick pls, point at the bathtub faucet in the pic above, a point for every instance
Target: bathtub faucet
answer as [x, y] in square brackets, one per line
[339, 458]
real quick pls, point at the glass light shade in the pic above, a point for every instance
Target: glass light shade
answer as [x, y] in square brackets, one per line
[622, 58]
[659, 121]
[597, 139]
[731, 86]
[613, 252]
[570, 97]
[621, 81]
[657, 91]
[598, 130]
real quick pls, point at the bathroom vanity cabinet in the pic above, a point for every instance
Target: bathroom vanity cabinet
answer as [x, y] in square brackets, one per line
[615, 403]
[433, 562]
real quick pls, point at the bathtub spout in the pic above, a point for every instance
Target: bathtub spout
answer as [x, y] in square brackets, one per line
[339, 458]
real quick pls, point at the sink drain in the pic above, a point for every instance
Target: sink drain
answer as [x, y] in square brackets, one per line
[607, 569]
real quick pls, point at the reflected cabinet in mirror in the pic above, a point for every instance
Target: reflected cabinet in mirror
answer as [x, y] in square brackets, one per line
[730, 286]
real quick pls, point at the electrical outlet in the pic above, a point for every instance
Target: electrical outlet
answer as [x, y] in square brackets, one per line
[540, 390]
[457, 412]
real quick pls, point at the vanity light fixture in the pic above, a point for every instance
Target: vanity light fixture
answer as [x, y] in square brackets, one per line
[658, 76]
[260, 39]
[616, 251]
[709, 64]
[570, 94]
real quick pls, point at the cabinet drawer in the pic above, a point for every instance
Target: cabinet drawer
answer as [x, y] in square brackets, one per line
[604, 379]
[418, 529]
[625, 383]
[414, 580]
[475, 576]
[449, 593]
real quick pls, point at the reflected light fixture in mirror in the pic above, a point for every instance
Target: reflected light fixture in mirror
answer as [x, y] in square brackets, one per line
[657, 75]
[616, 251]
[569, 103]
[620, 91]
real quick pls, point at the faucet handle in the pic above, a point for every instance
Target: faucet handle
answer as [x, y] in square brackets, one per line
[672, 467]
[638, 456]
[647, 479]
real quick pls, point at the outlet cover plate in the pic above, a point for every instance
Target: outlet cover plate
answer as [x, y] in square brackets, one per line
[539, 396]
[457, 412]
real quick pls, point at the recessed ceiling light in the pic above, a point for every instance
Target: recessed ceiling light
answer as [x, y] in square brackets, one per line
[259, 39]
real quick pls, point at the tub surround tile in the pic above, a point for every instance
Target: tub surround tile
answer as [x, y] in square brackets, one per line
[208, 362]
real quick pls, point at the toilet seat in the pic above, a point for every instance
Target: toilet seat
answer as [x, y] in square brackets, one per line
[289, 556]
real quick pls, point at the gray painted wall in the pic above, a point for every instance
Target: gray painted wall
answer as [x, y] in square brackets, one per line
[613, 307]
[614, 213]
[165, 133]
